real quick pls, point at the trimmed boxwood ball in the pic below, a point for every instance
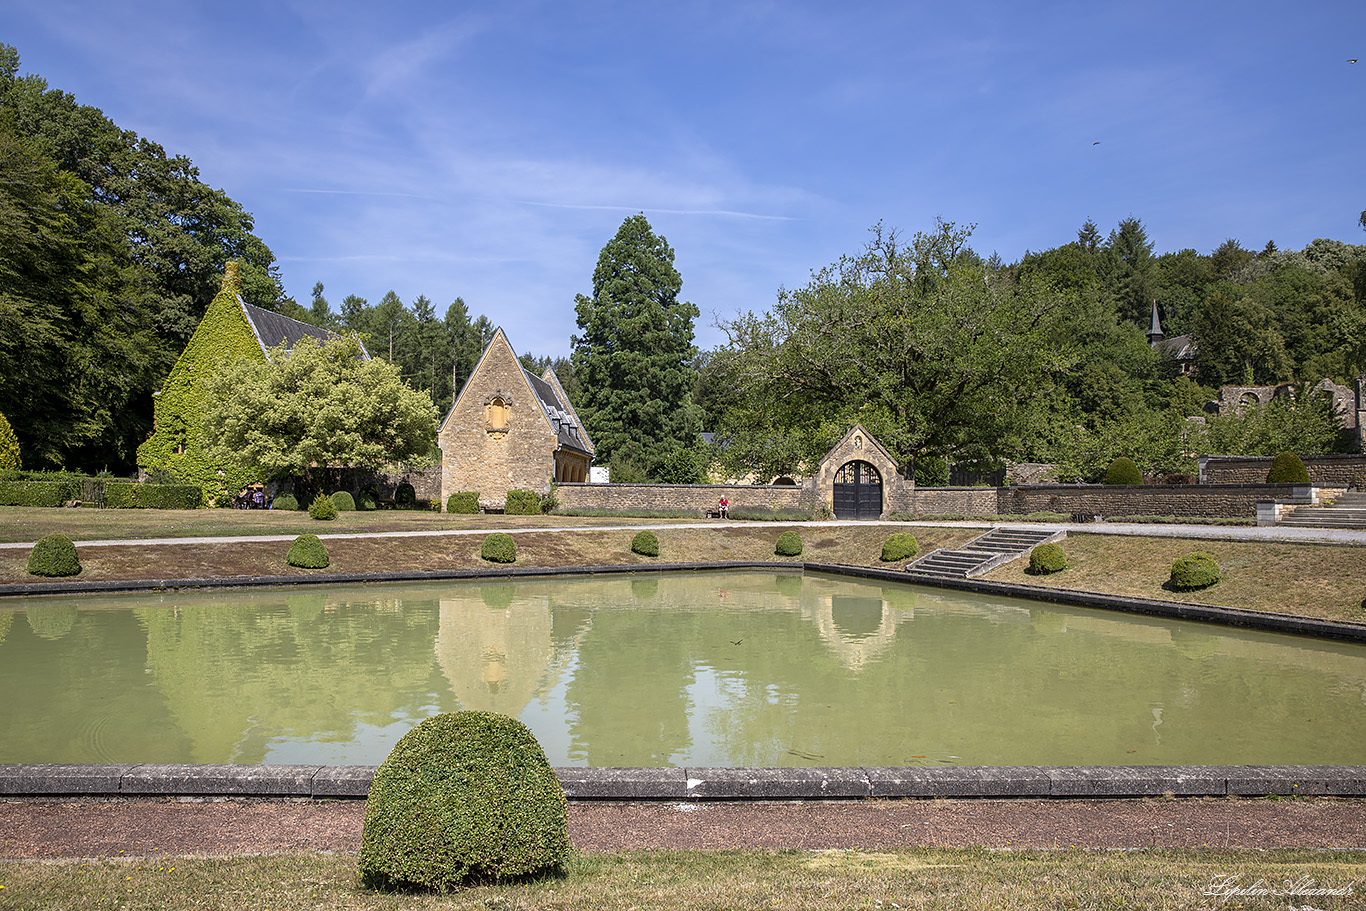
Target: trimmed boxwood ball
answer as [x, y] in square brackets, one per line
[522, 503]
[405, 496]
[1194, 571]
[1287, 468]
[322, 508]
[646, 544]
[285, 501]
[1123, 471]
[343, 501]
[789, 544]
[54, 555]
[900, 546]
[307, 552]
[499, 548]
[463, 502]
[1047, 559]
[463, 798]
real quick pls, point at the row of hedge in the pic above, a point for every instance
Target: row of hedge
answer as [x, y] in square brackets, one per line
[58, 489]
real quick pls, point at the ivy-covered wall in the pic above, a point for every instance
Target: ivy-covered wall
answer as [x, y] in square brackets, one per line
[177, 442]
[9, 447]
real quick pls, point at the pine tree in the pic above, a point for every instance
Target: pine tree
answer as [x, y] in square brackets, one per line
[634, 359]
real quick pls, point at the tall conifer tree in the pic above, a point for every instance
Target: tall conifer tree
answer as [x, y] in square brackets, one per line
[633, 360]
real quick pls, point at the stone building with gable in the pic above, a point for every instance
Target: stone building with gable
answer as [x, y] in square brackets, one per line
[510, 430]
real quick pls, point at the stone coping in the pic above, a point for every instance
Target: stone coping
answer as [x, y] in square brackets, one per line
[691, 784]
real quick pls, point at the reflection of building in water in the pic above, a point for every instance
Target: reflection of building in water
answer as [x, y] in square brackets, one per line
[496, 658]
[857, 629]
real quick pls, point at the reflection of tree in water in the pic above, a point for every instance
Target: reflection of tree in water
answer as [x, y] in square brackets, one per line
[51, 621]
[495, 657]
[236, 677]
[6, 621]
[645, 590]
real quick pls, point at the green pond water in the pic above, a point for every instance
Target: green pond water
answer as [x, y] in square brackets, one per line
[721, 669]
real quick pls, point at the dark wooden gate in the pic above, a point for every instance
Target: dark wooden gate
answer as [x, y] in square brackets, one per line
[858, 492]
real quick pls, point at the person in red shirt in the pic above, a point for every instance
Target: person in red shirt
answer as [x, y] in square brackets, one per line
[724, 508]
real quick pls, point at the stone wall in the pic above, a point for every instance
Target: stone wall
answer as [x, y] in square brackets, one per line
[1324, 471]
[946, 501]
[1211, 500]
[701, 498]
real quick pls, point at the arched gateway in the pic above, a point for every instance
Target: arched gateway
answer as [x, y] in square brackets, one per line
[858, 479]
[857, 491]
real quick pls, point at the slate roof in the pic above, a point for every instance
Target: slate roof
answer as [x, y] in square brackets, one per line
[566, 428]
[273, 329]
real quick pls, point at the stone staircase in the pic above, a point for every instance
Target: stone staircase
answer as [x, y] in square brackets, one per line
[982, 554]
[1348, 511]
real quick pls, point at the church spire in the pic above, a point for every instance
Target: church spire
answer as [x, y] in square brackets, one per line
[1155, 333]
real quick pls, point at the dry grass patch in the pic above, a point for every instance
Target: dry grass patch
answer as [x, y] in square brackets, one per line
[951, 879]
[1311, 580]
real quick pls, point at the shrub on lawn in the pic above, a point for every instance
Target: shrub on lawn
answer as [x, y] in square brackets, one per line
[1047, 559]
[789, 544]
[1287, 468]
[322, 507]
[1194, 571]
[463, 798]
[343, 501]
[499, 548]
[522, 503]
[307, 552]
[9, 447]
[286, 501]
[1123, 471]
[54, 555]
[900, 546]
[646, 544]
[465, 502]
[405, 497]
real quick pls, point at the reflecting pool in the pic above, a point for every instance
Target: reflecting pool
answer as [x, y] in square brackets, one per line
[704, 669]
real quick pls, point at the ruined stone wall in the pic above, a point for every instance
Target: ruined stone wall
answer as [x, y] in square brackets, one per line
[492, 451]
[1324, 471]
[701, 498]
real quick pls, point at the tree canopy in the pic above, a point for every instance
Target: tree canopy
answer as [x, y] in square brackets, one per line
[110, 251]
[314, 407]
[633, 360]
[937, 354]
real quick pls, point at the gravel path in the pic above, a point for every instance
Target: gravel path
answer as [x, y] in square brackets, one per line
[60, 827]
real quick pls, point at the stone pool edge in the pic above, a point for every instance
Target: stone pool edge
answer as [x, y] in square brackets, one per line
[703, 784]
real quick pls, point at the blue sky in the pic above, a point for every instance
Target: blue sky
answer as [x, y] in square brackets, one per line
[489, 150]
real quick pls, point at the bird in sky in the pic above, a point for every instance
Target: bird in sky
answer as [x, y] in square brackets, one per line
[1352, 59]
[1096, 143]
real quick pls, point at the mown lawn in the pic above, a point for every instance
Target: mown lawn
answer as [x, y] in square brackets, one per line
[950, 879]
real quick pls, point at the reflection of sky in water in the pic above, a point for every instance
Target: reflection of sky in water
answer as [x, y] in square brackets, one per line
[692, 669]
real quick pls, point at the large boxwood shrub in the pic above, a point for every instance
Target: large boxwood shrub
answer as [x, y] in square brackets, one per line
[645, 543]
[463, 798]
[1123, 471]
[343, 501]
[54, 555]
[789, 544]
[1047, 559]
[322, 507]
[522, 503]
[1194, 571]
[285, 501]
[1287, 468]
[308, 552]
[405, 497]
[463, 502]
[900, 546]
[499, 548]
